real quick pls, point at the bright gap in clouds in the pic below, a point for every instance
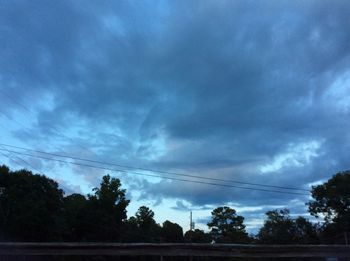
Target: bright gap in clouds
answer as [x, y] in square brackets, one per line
[296, 155]
[238, 90]
[338, 94]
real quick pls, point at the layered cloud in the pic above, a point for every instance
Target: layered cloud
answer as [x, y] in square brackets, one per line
[244, 90]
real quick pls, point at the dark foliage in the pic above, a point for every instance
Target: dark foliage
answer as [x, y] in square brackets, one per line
[33, 208]
[331, 201]
[197, 236]
[280, 228]
[227, 227]
[172, 232]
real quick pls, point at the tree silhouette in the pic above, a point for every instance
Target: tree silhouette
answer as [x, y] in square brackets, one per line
[197, 236]
[105, 211]
[227, 227]
[172, 232]
[74, 207]
[280, 228]
[30, 206]
[331, 201]
[149, 230]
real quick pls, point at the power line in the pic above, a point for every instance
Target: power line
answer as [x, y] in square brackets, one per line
[132, 167]
[9, 157]
[22, 160]
[152, 175]
[152, 170]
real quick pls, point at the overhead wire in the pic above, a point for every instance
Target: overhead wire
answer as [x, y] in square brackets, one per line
[10, 157]
[134, 167]
[151, 170]
[153, 175]
[24, 128]
[19, 158]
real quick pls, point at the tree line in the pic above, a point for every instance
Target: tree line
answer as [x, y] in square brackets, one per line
[34, 208]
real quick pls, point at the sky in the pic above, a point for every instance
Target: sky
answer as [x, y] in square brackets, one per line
[249, 91]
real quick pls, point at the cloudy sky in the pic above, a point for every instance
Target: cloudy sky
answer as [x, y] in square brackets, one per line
[250, 91]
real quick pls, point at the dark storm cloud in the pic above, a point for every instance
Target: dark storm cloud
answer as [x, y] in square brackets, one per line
[216, 88]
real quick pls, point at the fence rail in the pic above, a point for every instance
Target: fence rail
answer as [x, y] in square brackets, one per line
[222, 250]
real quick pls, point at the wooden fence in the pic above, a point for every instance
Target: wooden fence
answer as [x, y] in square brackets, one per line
[213, 250]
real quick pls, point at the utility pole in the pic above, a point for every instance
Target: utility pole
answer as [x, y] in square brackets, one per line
[190, 220]
[190, 258]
